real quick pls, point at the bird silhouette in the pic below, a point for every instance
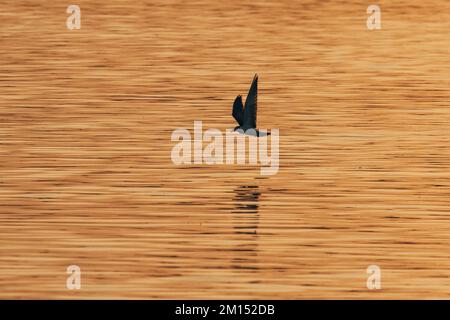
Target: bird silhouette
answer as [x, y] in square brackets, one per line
[246, 116]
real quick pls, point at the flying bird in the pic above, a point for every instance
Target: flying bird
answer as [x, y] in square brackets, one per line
[246, 116]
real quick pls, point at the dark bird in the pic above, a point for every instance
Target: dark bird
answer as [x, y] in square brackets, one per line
[246, 116]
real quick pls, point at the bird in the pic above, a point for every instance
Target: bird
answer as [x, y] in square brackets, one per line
[246, 116]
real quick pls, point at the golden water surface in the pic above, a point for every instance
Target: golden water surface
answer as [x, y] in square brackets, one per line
[86, 176]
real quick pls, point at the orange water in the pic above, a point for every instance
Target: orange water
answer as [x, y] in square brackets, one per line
[86, 176]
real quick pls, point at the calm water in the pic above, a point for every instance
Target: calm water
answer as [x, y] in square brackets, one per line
[86, 176]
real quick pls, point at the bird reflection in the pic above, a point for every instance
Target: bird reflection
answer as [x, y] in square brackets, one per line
[245, 225]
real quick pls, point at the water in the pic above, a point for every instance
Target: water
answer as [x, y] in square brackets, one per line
[87, 179]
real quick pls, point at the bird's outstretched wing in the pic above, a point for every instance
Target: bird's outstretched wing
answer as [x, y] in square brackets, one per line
[251, 103]
[238, 110]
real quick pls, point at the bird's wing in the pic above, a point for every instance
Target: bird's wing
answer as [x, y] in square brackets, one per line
[251, 103]
[238, 110]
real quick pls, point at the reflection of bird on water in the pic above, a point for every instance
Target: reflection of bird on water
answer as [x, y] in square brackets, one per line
[246, 199]
[246, 116]
[246, 220]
